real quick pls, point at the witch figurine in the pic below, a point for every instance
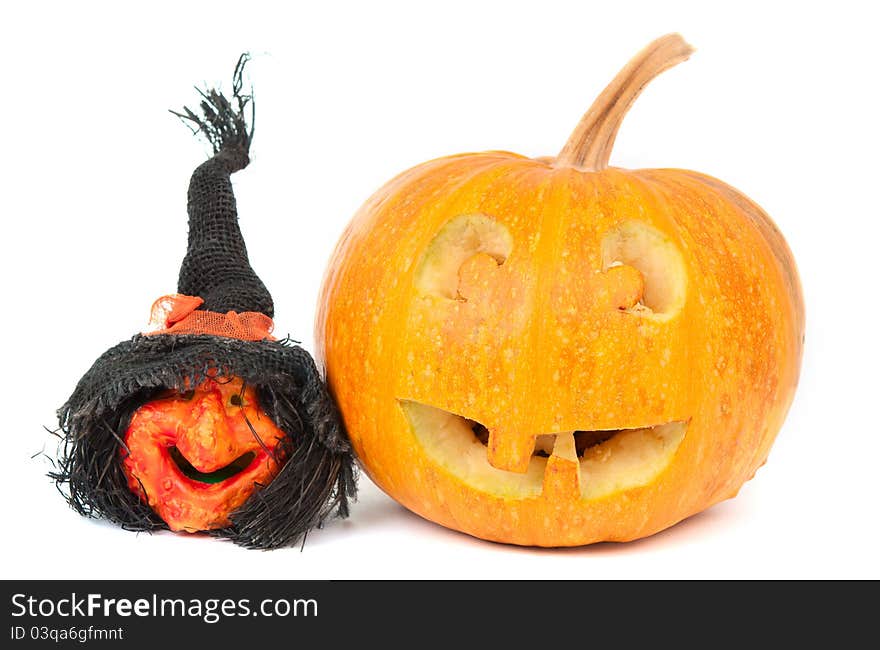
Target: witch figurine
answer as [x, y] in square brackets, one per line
[206, 422]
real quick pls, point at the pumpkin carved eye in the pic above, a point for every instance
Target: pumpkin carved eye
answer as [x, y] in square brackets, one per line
[459, 261]
[646, 269]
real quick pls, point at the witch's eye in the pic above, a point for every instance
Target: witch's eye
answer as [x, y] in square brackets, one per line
[236, 400]
[175, 394]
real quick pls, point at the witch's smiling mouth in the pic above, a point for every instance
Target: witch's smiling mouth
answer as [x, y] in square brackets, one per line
[589, 463]
[217, 476]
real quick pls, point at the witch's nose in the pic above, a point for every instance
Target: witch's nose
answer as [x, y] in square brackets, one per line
[204, 439]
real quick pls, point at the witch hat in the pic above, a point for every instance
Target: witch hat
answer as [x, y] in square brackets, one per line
[217, 326]
[216, 266]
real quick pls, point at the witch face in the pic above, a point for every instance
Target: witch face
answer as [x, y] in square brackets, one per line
[196, 456]
[208, 423]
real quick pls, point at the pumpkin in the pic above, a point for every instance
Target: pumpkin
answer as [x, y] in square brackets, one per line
[556, 352]
[195, 457]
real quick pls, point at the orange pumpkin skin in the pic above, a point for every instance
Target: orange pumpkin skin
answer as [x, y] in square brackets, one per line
[209, 428]
[548, 340]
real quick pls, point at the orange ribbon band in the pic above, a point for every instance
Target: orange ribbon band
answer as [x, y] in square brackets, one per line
[179, 314]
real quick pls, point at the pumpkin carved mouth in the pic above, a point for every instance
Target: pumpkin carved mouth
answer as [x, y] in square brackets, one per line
[237, 466]
[586, 464]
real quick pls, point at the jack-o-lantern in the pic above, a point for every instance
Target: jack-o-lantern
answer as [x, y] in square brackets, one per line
[206, 422]
[556, 352]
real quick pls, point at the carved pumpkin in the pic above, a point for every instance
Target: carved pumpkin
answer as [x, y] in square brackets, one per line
[556, 352]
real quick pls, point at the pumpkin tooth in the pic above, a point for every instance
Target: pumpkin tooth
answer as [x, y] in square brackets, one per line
[510, 451]
[564, 447]
[562, 474]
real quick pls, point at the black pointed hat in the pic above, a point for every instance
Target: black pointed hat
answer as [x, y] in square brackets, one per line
[216, 267]
[222, 329]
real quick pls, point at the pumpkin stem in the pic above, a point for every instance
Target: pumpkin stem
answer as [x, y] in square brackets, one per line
[589, 146]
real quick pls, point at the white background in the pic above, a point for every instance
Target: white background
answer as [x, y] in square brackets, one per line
[779, 100]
